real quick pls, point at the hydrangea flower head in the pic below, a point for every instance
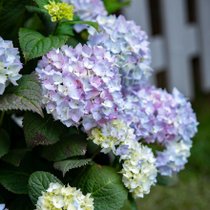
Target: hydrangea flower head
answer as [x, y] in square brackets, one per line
[128, 43]
[111, 135]
[160, 116]
[173, 158]
[10, 64]
[87, 10]
[139, 170]
[59, 11]
[186, 119]
[66, 198]
[2, 207]
[80, 85]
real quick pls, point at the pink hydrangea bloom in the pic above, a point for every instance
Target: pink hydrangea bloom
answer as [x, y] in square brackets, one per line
[158, 116]
[80, 85]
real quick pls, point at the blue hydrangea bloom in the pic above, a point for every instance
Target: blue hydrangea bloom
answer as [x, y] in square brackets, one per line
[128, 43]
[10, 64]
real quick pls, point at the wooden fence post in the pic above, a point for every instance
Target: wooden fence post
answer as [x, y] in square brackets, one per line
[204, 26]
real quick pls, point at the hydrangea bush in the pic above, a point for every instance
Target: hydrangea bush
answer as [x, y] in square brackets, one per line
[81, 127]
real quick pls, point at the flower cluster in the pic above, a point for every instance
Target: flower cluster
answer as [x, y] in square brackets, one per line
[2, 207]
[59, 11]
[87, 10]
[167, 119]
[128, 43]
[66, 198]
[103, 84]
[139, 171]
[111, 135]
[80, 85]
[159, 116]
[173, 158]
[10, 64]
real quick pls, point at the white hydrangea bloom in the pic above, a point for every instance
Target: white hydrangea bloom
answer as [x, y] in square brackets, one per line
[10, 64]
[111, 135]
[139, 170]
[58, 196]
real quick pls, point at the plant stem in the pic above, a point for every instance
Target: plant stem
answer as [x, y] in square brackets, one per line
[132, 202]
[96, 153]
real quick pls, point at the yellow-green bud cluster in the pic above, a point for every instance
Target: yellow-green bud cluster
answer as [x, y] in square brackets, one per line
[59, 11]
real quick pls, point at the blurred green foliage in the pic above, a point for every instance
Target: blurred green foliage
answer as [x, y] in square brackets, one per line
[114, 6]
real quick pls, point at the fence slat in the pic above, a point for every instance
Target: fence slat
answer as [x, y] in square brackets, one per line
[139, 12]
[180, 42]
[158, 53]
[204, 24]
[174, 27]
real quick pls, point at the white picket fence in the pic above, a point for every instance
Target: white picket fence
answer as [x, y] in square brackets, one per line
[179, 41]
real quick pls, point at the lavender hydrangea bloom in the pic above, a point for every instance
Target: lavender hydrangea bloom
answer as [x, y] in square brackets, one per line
[87, 10]
[173, 158]
[128, 43]
[80, 85]
[159, 116]
[10, 64]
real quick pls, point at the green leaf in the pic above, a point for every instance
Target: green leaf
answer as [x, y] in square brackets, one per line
[26, 96]
[34, 44]
[113, 6]
[42, 3]
[14, 181]
[105, 186]
[65, 28]
[12, 16]
[4, 143]
[34, 23]
[90, 23]
[36, 9]
[39, 182]
[66, 165]
[71, 146]
[15, 156]
[39, 131]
